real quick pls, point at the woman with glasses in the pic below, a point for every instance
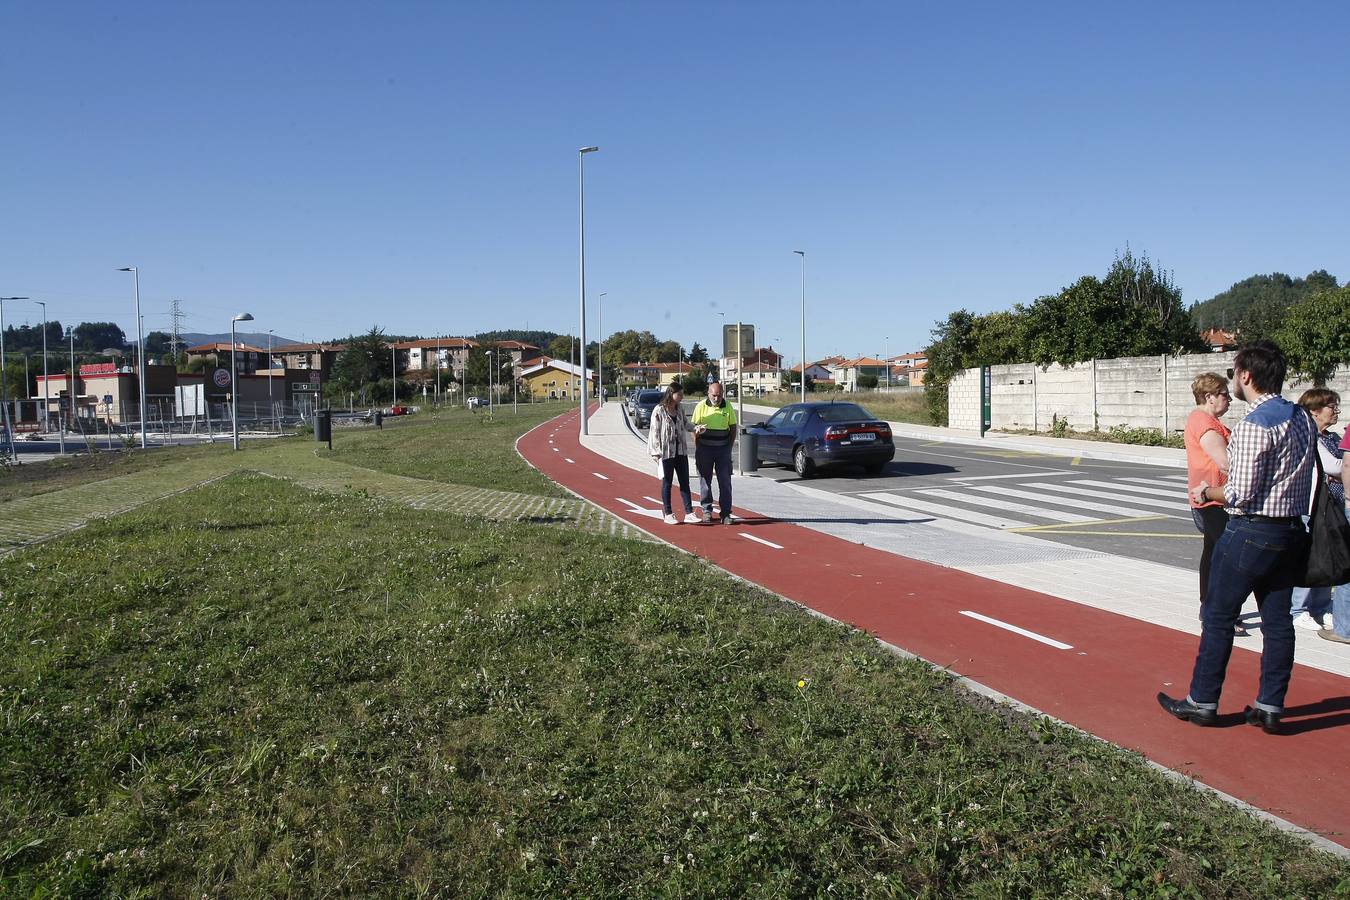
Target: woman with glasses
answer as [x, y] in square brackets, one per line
[1311, 606]
[1206, 441]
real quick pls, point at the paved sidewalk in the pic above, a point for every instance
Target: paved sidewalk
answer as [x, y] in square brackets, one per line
[1150, 592]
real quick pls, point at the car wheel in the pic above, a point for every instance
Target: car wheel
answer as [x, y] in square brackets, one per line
[802, 463]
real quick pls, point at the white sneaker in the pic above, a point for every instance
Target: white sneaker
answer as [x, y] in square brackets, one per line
[671, 520]
[694, 518]
[1306, 621]
[1327, 623]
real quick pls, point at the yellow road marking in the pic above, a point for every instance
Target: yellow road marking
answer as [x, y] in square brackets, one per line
[1161, 534]
[1069, 526]
[1076, 460]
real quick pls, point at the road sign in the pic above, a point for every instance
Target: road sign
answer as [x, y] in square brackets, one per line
[315, 377]
[747, 335]
[305, 387]
[107, 399]
[221, 378]
[711, 377]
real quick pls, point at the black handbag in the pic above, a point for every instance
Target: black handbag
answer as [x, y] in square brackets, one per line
[1329, 547]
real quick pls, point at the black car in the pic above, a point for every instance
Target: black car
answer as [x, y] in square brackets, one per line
[643, 406]
[807, 436]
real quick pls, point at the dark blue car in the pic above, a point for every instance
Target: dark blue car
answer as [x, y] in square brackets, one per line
[808, 436]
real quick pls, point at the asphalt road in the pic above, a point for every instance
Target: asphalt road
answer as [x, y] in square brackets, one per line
[1125, 509]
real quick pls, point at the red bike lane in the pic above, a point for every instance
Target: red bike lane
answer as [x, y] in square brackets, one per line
[1094, 669]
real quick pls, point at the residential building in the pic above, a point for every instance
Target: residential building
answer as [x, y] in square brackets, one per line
[451, 353]
[819, 371]
[633, 375]
[760, 361]
[554, 379]
[1218, 340]
[216, 355]
[310, 357]
[847, 372]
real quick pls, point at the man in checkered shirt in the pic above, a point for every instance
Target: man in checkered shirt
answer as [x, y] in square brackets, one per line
[1271, 465]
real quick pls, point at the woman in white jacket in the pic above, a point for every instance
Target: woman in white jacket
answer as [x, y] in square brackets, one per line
[668, 443]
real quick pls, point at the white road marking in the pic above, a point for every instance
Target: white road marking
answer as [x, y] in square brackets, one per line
[650, 499]
[601, 477]
[1013, 475]
[1161, 479]
[1009, 505]
[633, 507]
[556, 450]
[1084, 492]
[1077, 503]
[569, 460]
[924, 507]
[1176, 493]
[751, 537]
[1022, 631]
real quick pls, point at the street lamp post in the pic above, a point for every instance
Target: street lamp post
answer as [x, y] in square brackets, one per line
[492, 362]
[802, 254]
[73, 390]
[234, 378]
[600, 326]
[393, 371]
[271, 410]
[581, 227]
[438, 370]
[4, 382]
[46, 402]
[140, 353]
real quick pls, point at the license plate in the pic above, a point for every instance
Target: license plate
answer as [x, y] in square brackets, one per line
[865, 436]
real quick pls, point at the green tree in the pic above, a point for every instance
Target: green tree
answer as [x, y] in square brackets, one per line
[1315, 335]
[561, 347]
[95, 337]
[1233, 309]
[668, 352]
[697, 354]
[365, 361]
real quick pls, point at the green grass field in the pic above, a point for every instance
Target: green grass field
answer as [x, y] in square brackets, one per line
[254, 690]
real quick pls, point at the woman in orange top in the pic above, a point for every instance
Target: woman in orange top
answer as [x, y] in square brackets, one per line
[1206, 440]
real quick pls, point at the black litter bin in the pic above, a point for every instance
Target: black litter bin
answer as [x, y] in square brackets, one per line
[749, 451]
[323, 427]
[379, 419]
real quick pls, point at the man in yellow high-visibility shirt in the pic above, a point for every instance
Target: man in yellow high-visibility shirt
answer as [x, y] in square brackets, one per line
[714, 422]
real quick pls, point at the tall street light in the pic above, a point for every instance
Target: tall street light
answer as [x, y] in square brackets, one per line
[140, 353]
[234, 375]
[46, 402]
[4, 383]
[270, 409]
[581, 227]
[802, 254]
[600, 326]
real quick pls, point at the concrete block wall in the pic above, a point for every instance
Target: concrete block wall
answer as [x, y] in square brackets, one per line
[1135, 392]
[1065, 393]
[963, 400]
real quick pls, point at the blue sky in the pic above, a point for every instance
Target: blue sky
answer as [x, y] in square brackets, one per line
[327, 166]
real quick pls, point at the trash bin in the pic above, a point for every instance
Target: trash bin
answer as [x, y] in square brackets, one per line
[749, 451]
[323, 427]
[379, 419]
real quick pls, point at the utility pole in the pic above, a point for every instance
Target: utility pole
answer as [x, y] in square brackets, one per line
[176, 326]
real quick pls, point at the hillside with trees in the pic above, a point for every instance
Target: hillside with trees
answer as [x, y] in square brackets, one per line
[1255, 306]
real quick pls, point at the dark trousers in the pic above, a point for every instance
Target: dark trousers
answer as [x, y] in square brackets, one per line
[1209, 521]
[1261, 558]
[710, 460]
[675, 466]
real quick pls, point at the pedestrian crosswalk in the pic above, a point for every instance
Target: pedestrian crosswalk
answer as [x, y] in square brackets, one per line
[1035, 501]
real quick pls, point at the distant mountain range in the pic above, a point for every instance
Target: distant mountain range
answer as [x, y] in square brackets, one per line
[194, 338]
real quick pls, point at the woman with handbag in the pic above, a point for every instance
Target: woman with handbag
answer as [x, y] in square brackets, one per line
[1311, 607]
[668, 443]
[1337, 625]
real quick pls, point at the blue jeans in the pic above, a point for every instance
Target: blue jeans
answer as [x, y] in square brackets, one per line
[675, 466]
[1340, 604]
[712, 461]
[1313, 601]
[1260, 558]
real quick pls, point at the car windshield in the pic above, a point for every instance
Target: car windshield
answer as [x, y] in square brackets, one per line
[842, 412]
[650, 397]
